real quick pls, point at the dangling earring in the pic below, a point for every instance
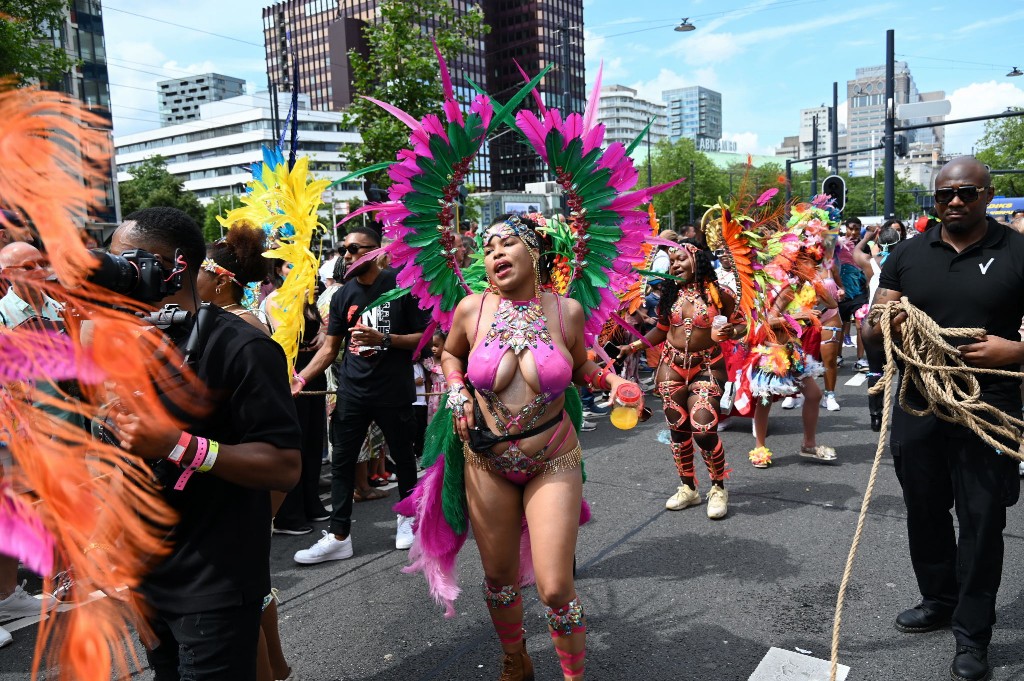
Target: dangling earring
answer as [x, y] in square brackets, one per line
[536, 281]
[217, 290]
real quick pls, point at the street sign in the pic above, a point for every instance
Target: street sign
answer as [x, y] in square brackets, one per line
[933, 109]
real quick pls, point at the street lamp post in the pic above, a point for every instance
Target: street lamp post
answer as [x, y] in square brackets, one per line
[692, 204]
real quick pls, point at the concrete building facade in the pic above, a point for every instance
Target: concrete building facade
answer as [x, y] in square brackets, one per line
[180, 97]
[625, 115]
[213, 155]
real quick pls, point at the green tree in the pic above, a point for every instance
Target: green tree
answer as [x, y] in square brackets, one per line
[212, 229]
[151, 185]
[672, 161]
[1002, 148]
[401, 69]
[27, 49]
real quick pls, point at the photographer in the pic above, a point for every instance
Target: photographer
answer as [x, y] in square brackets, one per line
[205, 597]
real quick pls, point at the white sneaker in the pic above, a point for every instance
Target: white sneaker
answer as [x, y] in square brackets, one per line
[588, 426]
[793, 402]
[328, 548]
[22, 604]
[404, 535]
[1020, 469]
[683, 498]
[5, 637]
[829, 401]
[718, 502]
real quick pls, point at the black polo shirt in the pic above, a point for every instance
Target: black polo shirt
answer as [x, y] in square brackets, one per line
[980, 287]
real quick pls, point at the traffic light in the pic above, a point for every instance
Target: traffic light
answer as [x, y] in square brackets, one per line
[901, 145]
[835, 187]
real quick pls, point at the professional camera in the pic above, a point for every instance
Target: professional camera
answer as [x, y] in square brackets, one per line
[137, 274]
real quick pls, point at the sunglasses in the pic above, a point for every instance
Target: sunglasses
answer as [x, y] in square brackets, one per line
[352, 249]
[28, 266]
[967, 193]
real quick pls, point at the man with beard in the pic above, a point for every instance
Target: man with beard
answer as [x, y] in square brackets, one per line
[375, 384]
[967, 273]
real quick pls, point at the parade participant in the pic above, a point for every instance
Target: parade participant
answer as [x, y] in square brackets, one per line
[243, 445]
[831, 336]
[781, 362]
[967, 273]
[521, 448]
[694, 316]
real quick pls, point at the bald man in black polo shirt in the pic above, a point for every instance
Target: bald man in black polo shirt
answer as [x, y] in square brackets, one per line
[966, 272]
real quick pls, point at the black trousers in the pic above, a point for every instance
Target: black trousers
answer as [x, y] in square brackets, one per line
[420, 412]
[302, 503]
[349, 425]
[941, 468]
[217, 645]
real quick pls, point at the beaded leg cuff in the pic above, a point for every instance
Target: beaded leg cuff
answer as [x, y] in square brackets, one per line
[566, 620]
[682, 455]
[507, 596]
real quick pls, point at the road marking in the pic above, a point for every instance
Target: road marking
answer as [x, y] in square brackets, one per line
[780, 664]
[857, 380]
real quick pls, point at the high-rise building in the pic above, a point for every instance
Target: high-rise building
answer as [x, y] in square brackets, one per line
[81, 36]
[695, 112]
[531, 34]
[323, 32]
[865, 117]
[625, 115]
[180, 97]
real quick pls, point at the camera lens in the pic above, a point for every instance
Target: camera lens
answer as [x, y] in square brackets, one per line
[115, 273]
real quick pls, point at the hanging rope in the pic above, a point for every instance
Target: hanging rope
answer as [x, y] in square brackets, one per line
[952, 392]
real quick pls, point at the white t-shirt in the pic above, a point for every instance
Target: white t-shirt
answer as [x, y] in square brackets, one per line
[327, 269]
[418, 374]
[661, 262]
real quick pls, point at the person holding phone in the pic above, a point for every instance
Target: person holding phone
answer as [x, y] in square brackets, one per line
[694, 316]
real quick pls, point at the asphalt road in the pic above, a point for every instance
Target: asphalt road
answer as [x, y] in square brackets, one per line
[669, 595]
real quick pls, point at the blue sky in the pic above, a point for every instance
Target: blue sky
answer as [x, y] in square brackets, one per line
[768, 58]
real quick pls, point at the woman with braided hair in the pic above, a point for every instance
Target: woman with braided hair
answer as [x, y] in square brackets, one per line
[512, 354]
[692, 370]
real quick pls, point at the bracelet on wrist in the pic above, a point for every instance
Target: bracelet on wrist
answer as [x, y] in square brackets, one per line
[179, 449]
[298, 377]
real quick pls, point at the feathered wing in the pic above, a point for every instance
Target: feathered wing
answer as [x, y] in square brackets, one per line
[285, 201]
[69, 500]
[604, 241]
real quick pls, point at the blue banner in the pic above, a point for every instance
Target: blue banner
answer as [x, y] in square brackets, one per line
[1002, 207]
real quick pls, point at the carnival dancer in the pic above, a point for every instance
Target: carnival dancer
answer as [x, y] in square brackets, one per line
[694, 316]
[780, 364]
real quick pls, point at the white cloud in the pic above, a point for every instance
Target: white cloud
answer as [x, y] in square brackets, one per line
[748, 143]
[977, 99]
[999, 20]
[841, 111]
[669, 80]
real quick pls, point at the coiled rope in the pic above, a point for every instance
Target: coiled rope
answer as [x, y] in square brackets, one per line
[952, 392]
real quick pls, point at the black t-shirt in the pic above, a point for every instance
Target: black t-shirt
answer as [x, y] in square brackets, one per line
[980, 287]
[383, 376]
[221, 554]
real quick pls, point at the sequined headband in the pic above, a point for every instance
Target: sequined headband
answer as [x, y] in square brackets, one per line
[513, 226]
[213, 268]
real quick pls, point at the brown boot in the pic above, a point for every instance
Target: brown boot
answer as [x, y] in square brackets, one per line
[517, 666]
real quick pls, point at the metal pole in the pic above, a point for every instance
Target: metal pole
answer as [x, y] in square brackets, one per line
[890, 123]
[789, 180]
[692, 205]
[649, 182]
[814, 145]
[565, 68]
[834, 127]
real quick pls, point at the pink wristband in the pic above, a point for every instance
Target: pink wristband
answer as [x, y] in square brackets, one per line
[179, 449]
[299, 378]
[202, 446]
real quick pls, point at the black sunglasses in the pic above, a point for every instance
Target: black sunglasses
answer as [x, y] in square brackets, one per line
[352, 249]
[967, 193]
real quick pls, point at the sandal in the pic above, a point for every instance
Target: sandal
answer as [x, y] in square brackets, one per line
[821, 454]
[369, 495]
[378, 481]
[760, 457]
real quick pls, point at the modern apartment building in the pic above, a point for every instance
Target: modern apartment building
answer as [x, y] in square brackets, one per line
[625, 115]
[695, 112]
[180, 97]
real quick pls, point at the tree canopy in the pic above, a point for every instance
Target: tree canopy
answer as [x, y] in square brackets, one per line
[27, 49]
[1002, 148]
[673, 161]
[151, 185]
[401, 69]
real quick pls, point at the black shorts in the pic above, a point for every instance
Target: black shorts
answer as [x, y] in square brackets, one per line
[849, 306]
